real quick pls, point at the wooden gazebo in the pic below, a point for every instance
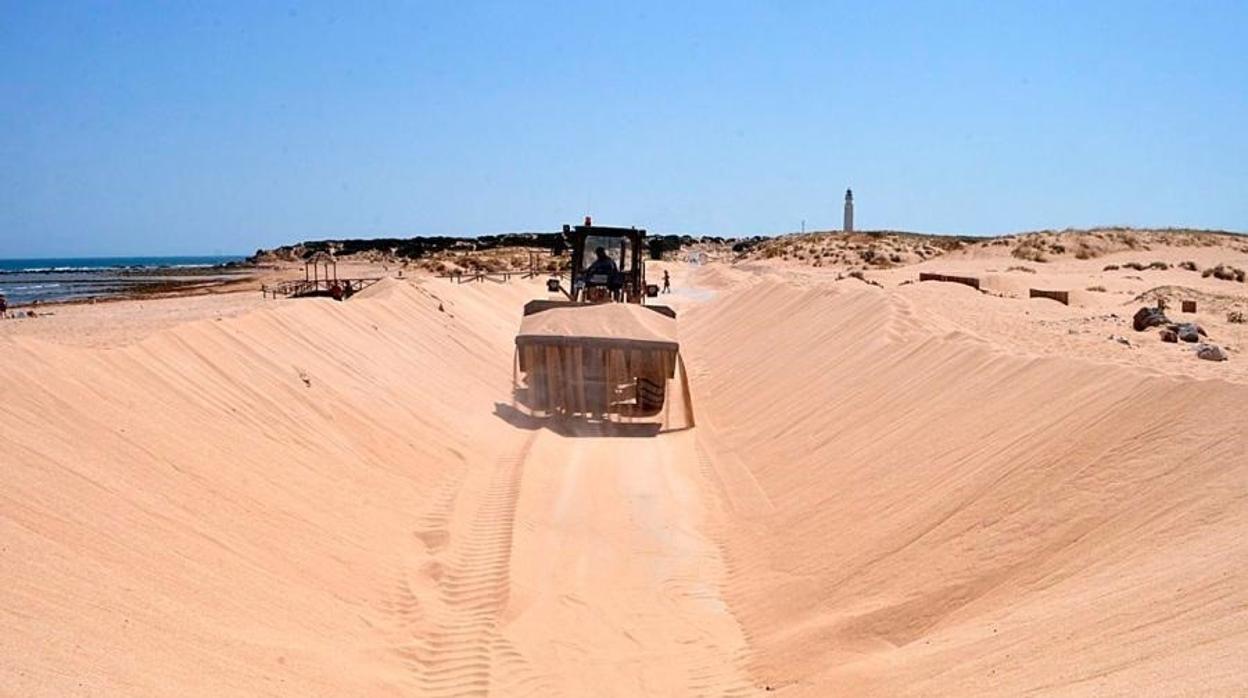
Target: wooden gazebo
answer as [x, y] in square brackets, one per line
[320, 278]
[320, 262]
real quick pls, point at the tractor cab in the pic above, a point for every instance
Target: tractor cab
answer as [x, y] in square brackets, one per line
[607, 264]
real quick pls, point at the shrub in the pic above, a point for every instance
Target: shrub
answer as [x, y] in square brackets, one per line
[1235, 317]
[1159, 265]
[1110, 267]
[1027, 270]
[1190, 266]
[1097, 289]
[1029, 252]
[863, 278]
[1224, 272]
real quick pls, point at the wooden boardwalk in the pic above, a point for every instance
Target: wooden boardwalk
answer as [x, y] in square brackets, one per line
[302, 288]
[499, 277]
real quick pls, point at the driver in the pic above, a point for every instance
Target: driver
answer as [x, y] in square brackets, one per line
[602, 265]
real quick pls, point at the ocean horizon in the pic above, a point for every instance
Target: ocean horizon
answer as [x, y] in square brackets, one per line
[50, 279]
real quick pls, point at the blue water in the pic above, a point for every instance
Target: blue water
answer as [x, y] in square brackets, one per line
[64, 264]
[24, 281]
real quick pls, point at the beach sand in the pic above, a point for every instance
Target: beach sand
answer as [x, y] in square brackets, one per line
[904, 489]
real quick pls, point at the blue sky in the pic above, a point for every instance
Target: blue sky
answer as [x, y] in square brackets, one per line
[130, 128]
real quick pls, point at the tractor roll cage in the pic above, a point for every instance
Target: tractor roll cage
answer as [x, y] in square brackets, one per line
[623, 245]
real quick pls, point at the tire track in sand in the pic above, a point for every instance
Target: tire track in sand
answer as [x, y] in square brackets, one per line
[617, 584]
[452, 644]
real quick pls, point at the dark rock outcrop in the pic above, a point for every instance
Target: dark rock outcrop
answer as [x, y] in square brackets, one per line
[1189, 332]
[1147, 317]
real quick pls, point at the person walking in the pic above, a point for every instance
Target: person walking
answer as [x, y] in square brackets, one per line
[667, 282]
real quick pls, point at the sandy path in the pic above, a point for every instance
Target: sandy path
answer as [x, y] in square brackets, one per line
[613, 573]
[575, 565]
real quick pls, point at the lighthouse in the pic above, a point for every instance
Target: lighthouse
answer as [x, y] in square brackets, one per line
[849, 210]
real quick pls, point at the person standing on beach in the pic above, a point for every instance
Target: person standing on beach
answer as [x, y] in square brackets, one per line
[4, 306]
[667, 282]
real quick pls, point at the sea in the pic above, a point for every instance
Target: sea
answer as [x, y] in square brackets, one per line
[26, 281]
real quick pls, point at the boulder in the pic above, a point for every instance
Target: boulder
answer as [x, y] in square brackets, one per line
[1147, 317]
[1189, 332]
[1169, 335]
[1210, 352]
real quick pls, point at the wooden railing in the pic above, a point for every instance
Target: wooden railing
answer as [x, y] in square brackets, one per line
[299, 288]
[499, 277]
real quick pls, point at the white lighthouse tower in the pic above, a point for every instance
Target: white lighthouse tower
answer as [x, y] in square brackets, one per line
[849, 210]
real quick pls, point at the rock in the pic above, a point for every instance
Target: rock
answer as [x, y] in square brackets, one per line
[1210, 352]
[1147, 317]
[1120, 339]
[1189, 332]
[1169, 336]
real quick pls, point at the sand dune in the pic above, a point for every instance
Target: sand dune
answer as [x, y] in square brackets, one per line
[227, 506]
[943, 517]
[891, 491]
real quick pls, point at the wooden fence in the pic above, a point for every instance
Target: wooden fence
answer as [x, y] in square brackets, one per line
[965, 280]
[1062, 297]
[499, 277]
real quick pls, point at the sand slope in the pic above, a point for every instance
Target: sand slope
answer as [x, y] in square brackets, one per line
[933, 514]
[891, 491]
[226, 506]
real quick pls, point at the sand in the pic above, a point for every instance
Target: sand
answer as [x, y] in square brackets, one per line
[911, 489]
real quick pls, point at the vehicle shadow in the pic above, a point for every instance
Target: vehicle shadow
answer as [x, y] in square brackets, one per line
[577, 427]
